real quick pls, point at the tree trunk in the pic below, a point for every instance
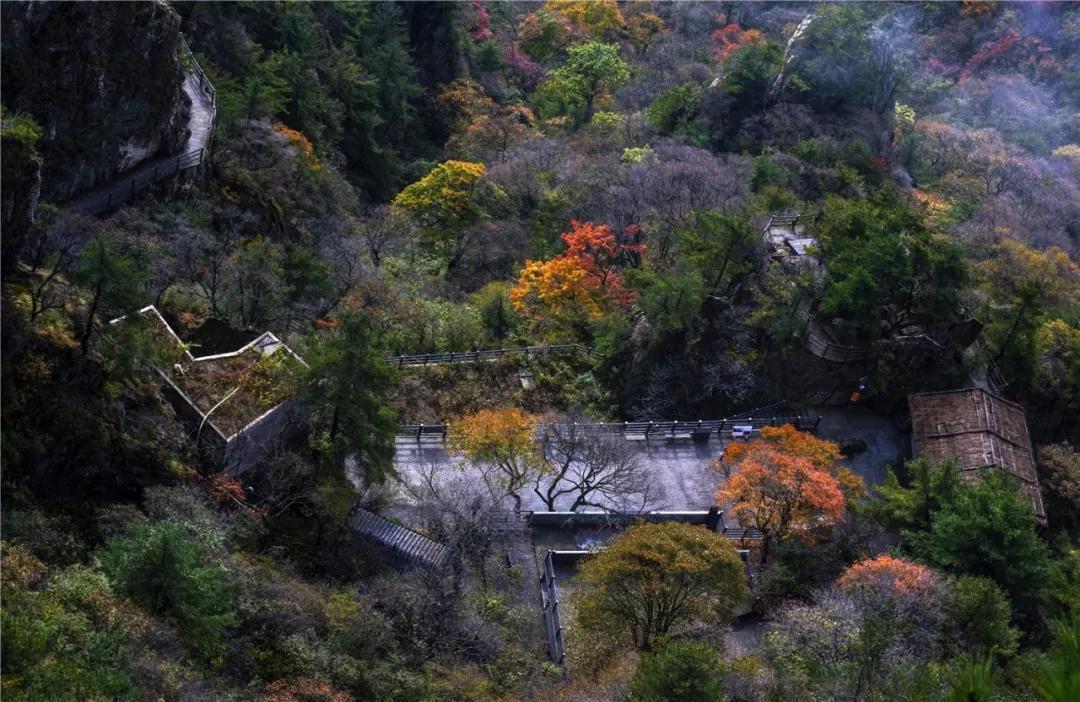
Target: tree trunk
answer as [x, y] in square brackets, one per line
[1012, 331]
[84, 342]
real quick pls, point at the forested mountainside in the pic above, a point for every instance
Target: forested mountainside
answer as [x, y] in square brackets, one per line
[320, 319]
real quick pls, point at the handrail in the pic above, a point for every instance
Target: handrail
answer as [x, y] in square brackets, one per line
[819, 345]
[664, 429]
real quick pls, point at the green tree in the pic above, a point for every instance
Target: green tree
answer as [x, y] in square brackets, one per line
[677, 671]
[64, 639]
[671, 300]
[348, 382]
[676, 111]
[654, 577]
[263, 92]
[1057, 676]
[977, 618]
[910, 508]
[169, 572]
[115, 281]
[884, 268]
[973, 681]
[749, 74]
[1059, 471]
[722, 247]
[590, 70]
[988, 529]
[840, 63]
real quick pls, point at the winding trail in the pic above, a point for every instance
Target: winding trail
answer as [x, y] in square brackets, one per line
[194, 152]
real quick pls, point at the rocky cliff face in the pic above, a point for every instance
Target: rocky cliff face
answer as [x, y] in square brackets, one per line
[104, 81]
[21, 175]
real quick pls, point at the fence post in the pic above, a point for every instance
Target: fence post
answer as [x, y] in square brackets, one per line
[419, 431]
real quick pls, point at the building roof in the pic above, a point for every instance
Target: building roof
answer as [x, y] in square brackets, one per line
[238, 388]
[978, 429]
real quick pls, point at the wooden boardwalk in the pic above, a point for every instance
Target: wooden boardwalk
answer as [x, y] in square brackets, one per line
[194, 153]
[822, 347]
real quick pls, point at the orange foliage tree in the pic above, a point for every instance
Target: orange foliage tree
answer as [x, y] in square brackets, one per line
[821, 453]
[581, 283]
[786, 484]
[502, 443]
[731, 37]
[885, 575]
[309, 163]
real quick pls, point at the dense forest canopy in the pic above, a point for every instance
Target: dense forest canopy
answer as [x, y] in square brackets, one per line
[277, 272]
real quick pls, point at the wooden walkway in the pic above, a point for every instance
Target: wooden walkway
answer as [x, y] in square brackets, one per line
[822, 347]
[194, 153]
[405, 546]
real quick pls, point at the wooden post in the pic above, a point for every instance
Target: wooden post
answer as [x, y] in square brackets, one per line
[419, 431]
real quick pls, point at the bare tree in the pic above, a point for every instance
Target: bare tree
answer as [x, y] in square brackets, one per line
[203, 261]
[594, 469]
[383, 229]
[286, 480]
[464, 514]
[51, 253]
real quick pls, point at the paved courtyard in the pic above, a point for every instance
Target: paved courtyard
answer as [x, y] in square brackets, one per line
[681, 471]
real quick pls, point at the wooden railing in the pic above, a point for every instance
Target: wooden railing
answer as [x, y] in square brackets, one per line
[670, 430]
[549, 604]
[430, 359]
[819, 345]
[122, 191]
[204, 83]
[791, 219]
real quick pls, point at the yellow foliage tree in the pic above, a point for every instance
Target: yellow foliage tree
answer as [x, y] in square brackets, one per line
[602, 17]
[655, 577]
[447, 197]
[502, 443]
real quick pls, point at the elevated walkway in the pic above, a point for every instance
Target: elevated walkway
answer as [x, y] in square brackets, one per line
[194, 153]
